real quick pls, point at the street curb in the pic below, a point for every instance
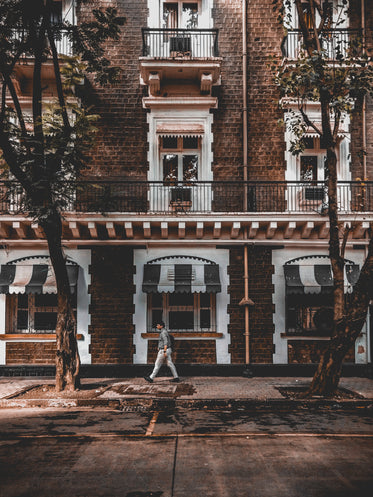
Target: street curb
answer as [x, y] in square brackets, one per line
[162, 404]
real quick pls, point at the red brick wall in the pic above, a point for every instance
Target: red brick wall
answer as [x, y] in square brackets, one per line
[227, 127]
[306, 351]
[31, 353]
[111, 306]
[261, 315]
[265, 138]
[187, 352]
[121, 145]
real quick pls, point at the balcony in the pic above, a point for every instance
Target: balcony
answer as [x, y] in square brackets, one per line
[180, 43]
[175, 55]
[131, 212]
[334, 42]
[203, 197]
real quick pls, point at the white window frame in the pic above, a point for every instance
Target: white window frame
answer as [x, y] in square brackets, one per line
[180, 152]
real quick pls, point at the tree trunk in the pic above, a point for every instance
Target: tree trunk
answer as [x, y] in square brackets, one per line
[327, 376]
[67, 355]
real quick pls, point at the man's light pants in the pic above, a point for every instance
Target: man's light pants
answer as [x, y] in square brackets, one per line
[159, 362]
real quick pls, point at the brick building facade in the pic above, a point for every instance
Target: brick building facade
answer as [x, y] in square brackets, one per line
[169, 240]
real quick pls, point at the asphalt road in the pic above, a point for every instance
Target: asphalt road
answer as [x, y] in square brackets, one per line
[90, 453]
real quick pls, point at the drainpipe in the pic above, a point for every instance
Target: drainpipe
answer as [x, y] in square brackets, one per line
[246, 301]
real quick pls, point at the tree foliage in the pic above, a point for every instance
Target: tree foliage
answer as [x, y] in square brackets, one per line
[44, 140]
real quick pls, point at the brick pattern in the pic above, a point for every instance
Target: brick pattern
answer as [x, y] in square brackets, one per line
[31, 353]
[227, 126]
[306, 352]
[265, 138]
[187, 352]
[121, 144]
[261, 315]
[111, 306]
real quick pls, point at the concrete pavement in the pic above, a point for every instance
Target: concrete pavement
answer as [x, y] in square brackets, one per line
[191, 391]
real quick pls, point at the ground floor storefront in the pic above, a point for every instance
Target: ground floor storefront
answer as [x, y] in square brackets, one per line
[121, 291]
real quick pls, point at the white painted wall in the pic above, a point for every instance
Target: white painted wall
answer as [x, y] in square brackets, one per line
[221, 257]
[83, 259]
[279, 258]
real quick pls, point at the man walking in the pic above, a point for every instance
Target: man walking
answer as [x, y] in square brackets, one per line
[164, 353]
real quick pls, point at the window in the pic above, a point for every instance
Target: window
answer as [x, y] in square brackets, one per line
[56, 12]
[180, 158]
[309, 314]
[33, 313]
[182, 312]
[180, 15]
[312, 160]
[308, 168]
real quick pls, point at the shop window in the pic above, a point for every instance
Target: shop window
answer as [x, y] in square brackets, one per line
[182, 312]
[32, 313]
[309, 314]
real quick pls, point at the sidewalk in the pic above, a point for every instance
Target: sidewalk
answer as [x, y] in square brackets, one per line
[194, 391]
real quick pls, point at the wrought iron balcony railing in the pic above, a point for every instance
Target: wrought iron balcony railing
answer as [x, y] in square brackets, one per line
[334, 42]
[202, 197]
[171, 43]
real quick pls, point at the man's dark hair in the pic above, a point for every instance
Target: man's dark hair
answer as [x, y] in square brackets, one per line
[161, 323]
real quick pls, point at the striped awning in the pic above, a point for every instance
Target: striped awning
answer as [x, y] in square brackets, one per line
[26, 276]
[316, 278]
[181, 129]
[181, 278]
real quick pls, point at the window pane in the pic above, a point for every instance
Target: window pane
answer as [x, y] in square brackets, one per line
[156, 317]
[22, 320]
[308, 168]
[56, 12]
[181, 299]
[170, 15]
[157, 299]
[205, 299]
[45, 321]
[170, 167]
[169, 142]
[190, 167]
[190, 15]
[181, 320]
[22, 301]
[190, 142]
[46, 300]
[205, 318]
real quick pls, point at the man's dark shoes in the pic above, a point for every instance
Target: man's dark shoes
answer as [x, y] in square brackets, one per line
[147, 378]
[175, 380]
